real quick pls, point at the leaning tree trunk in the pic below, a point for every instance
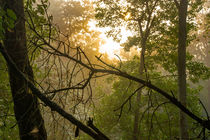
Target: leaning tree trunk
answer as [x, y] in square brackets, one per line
[182, 66]
[27, 113]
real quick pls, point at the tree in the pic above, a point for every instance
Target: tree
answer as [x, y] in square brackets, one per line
[182, 37]
[160, 33]
[77, 63]
[200, 49]
[26, 108]
[74, 37]
[72, 19]
[138, 16]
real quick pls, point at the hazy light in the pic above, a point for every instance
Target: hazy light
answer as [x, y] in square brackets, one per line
[127, 16]
[110, 47]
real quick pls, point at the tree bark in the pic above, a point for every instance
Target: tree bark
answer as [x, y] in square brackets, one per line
[136, 131]
[182, 66]
[27, 113]
[208, 82]
[144, 36]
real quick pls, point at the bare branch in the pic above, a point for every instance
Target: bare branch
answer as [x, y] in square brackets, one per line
[75, 86]
[49, 103]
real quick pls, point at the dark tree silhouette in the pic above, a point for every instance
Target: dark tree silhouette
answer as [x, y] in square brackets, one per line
[27, 113]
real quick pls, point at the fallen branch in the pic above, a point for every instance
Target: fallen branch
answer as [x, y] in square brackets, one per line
[204, 123]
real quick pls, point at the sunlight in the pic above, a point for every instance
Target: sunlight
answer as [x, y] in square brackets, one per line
[110, 47]
[127, 16]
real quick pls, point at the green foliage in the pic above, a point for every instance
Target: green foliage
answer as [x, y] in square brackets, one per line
[133, 41]
[8, 127]
[1, 24]
[197, 71]
[8, 130]
[159, 119]
[38, 24]
[161, 45]
[8, 123]
[11, 18]
[72, 19]
[7, 21]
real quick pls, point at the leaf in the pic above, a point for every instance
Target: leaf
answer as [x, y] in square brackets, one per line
[29, 91]
[9, 30]
[11, 14]
[10, 23]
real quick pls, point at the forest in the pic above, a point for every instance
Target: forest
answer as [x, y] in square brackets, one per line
[104, 69]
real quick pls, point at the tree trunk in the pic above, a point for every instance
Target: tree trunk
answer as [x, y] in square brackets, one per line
[27, 113]
[136, 131]
[208, 82]
[182, 66]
